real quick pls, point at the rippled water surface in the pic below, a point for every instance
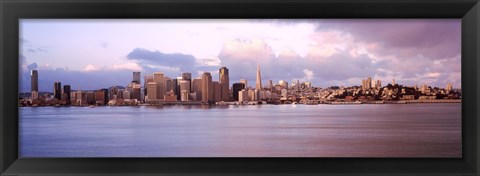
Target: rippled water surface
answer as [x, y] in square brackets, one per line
[386, 130]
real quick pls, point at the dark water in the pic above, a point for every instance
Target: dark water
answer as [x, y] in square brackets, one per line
[403, 130]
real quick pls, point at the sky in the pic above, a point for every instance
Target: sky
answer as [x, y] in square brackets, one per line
[94, 53]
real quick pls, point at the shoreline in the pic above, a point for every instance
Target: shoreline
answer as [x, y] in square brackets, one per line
[445, 101]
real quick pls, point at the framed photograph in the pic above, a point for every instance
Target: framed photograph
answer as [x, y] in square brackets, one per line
[254, 88]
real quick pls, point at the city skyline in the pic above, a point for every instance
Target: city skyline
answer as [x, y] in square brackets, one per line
[323, 52]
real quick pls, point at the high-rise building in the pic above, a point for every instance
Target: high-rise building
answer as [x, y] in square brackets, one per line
[224, 82]
[158, 79]
[187, 76]
[393, 82]
[136, 92]
[148, 79]
[185, 87]
[197, 88]
[168, 84]
[152, 91]
[126, 94]
[67, 92]
[258, 84]
[90, 97]
[237, 87]
[379, 84]
[270, 85]
[217, 91]
[34, 80]
[57, 90]
[176, 88]
[242, 95]
[136, 77]
[207, 88]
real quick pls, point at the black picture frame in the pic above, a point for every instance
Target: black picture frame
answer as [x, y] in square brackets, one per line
[12, 10]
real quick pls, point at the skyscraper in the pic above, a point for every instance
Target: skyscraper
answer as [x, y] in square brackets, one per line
[258, 84]
[237, 87]
[207, 88]
[217, 91]
[136, 77]
[57, 90]
[224, 82]
[197, 88]
[187, 76]
[152, 91]
[270, 85]
[34, 80]
[158, 79]
[67, 91]
[148, 79]
[185, 86]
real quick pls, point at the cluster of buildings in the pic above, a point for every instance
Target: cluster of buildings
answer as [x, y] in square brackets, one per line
[159, 89]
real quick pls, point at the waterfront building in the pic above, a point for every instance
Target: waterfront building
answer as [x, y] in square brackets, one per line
[57, 90]
[185, 86]
[197, 88]
[217, 91]
[252, 94]
[67, 92]
[170, 96]
[152, 91]
[126, 94]
[158, 79]
[90, 97]
[237, 87]
[184, 95]
[207, 87]
[136, 92]
[242, 95]
[224, 82]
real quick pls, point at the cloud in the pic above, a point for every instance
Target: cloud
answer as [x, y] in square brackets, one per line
[288, 65]
[91, 67]
[32, 66]
[127, 66]
[184, 62]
